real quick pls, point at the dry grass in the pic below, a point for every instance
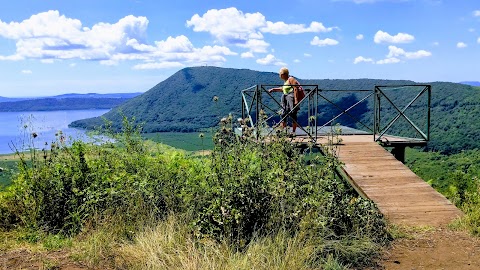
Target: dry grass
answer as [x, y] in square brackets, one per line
[170, 245]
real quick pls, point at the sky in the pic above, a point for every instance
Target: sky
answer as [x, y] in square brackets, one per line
[53, 47]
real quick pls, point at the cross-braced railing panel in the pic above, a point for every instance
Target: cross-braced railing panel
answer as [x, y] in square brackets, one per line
[341, 105]
[389, 112]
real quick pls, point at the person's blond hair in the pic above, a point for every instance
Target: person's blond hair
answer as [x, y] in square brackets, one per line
[283, 70]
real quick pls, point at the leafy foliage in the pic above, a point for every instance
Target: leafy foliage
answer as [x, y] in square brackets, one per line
[457, 177]
[245, 189]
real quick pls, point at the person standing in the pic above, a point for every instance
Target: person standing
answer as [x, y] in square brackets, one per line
[289, 99]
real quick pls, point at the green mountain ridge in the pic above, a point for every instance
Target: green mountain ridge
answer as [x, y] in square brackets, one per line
[185, 102]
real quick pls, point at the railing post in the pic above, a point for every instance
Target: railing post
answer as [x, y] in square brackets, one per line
[376, 117]
[257, 110]
[429, 92]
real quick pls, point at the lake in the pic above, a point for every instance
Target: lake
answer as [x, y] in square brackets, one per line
[16, 128]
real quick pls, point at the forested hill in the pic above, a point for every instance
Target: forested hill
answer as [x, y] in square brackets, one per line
[49, 104]
[185, 102]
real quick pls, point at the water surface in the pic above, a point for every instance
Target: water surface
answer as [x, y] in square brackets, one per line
[18, 129]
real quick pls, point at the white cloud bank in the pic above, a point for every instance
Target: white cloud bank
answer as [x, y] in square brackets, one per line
[49, 36]
[384, 37]
[231, 26]
[461, 45]
[395, 55]
[361, 59]
[476, 13]
[316, 41]
[269, 60]
[360, 1]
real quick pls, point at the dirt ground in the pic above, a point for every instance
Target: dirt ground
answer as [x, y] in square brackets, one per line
[24, 259]
[430, 249]
[434, 249]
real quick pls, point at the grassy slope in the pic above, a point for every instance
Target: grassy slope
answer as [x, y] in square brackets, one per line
[8, 163]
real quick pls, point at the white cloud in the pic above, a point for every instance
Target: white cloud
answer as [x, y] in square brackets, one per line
[461, 45]
[48, 36]
[26, 71]
[14, 57]
[384, 37]
[231, 26]
[478, 40]
[358, 1]
[47, 61]
[228, 25]
[359, 37]
[471, 30]
[297, 61]
[476, 13]
[247, 55]
[158, 65]
[281, 28]
[436, 43]
[270, 59]
[255, 45]
[399, 52]
[369, 1]
[73, 65]
[390, 60]
[361, 59]
[307, 55]
[395, 55]
[323, 42]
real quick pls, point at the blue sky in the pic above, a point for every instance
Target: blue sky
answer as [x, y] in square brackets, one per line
[53, 47]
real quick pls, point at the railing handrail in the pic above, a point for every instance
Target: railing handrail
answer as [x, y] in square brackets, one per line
[313, 93]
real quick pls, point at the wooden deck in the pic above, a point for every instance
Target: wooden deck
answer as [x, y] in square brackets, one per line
[402, 196]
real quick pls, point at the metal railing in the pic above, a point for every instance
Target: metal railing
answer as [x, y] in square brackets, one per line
[261, 108]
[380, 94]
[258, 102]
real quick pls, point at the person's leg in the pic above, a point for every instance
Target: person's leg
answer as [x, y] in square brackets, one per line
[285, 111]
[293, 114]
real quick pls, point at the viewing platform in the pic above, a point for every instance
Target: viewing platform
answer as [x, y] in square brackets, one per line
[377, 121]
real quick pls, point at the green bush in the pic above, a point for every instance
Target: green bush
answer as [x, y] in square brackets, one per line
[259, 188]
[244, 189]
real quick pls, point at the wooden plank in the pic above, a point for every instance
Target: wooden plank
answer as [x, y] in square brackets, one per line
[399, 193]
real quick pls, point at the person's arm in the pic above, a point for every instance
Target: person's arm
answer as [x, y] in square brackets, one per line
[276, 89]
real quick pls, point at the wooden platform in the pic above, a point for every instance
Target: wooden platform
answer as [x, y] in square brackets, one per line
[402, 196]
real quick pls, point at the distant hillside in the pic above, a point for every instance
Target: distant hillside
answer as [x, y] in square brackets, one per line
[184, 102]
[95, 95]
[5, 99]
[471, 83]
[74, 95]
[50, 104]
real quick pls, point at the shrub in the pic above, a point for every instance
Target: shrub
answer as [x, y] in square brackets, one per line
[245, 190]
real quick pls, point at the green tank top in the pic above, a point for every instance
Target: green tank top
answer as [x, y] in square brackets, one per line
[287, 88]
